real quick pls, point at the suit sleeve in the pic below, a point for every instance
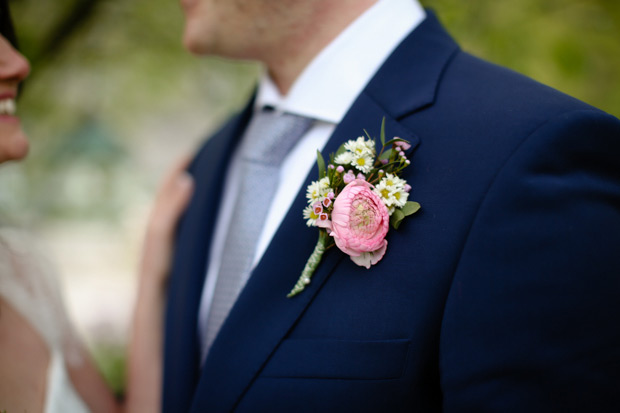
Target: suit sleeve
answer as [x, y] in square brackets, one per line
[532, 320]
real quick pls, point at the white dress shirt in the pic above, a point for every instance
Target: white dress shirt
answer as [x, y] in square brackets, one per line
[325, 91]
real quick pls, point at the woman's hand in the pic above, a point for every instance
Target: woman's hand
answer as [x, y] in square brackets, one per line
[171, 200]
[145, 351]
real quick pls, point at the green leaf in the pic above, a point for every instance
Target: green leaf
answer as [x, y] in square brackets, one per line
[321, 164]
[340, 150]
[386, 154]
[367, 134]
[383, 132]
[410, 208]
[399, 214]
[396, 218]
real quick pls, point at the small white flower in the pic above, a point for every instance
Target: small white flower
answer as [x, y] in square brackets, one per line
[363, 163]
[314, 191]
[345, 158]
[393, 182]
[359, 153]
[324, 183]
[310, 216]
[391, 190]
[400, 197]
[318, 190]
[385, 193]
[360, 146]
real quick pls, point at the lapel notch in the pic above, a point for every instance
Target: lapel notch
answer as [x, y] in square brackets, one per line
[408, 80]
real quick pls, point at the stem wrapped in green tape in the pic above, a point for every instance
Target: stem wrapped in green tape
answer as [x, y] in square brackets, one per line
[311, 264]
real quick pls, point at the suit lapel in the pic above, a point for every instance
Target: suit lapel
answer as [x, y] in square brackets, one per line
[189, 264]
[262, 316]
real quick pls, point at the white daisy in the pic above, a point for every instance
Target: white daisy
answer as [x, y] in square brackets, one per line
[360, 146]
[345, 158]
[359, 153]
[318, 190]
[385, 193]
[400, 198]
[391, 190]
[393, 182]
[363, 163]
[310, 216]
[313, 192]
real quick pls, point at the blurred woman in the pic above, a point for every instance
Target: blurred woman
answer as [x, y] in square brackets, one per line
[44, 367]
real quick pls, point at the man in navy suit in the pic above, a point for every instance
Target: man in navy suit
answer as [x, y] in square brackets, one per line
[502, 294]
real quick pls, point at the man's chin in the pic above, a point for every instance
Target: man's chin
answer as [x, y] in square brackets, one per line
[194, 42]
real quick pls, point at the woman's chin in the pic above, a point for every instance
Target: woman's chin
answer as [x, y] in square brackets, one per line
[14, 149]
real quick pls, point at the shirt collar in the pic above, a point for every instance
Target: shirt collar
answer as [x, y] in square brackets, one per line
[329, 85]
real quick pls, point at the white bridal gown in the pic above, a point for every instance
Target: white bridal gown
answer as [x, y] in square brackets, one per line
[28, 283]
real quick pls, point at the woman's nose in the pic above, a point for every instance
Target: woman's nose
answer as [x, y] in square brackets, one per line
[13, 65]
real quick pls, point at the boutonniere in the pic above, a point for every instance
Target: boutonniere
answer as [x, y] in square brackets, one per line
[358, 195]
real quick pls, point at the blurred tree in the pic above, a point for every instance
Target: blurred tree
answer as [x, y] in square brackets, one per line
[571, 45]
[119, 65]
[76, 14]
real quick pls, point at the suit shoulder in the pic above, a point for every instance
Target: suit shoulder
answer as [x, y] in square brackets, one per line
[495, 88]
[492, 108]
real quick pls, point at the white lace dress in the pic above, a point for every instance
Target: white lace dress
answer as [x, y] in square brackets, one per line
[29, 284]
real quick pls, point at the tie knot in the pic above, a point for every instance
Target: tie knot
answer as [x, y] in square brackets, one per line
[271, 135]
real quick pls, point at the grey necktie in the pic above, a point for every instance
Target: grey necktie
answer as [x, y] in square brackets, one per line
[268, 139]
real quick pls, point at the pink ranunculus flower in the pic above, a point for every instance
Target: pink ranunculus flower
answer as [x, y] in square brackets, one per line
[359, 223]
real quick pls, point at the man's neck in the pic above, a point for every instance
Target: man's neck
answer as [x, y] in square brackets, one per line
[325, 23]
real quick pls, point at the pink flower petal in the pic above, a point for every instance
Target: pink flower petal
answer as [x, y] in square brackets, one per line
[403, 145]
[327, 224]
[366, 259]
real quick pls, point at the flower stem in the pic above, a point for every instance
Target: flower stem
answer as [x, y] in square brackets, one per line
[311, 264]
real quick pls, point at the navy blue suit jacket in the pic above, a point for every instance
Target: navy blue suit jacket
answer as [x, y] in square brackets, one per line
[502, 294]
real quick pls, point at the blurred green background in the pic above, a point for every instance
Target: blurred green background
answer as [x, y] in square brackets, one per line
[113, 99]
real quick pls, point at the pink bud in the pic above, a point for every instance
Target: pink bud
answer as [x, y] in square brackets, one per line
[340, 169]
[317, 207]
[330, 166]
[407, 187]
[361, 176]
[330, 195]
[403, 145]
[408, 162]
[384, 161]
